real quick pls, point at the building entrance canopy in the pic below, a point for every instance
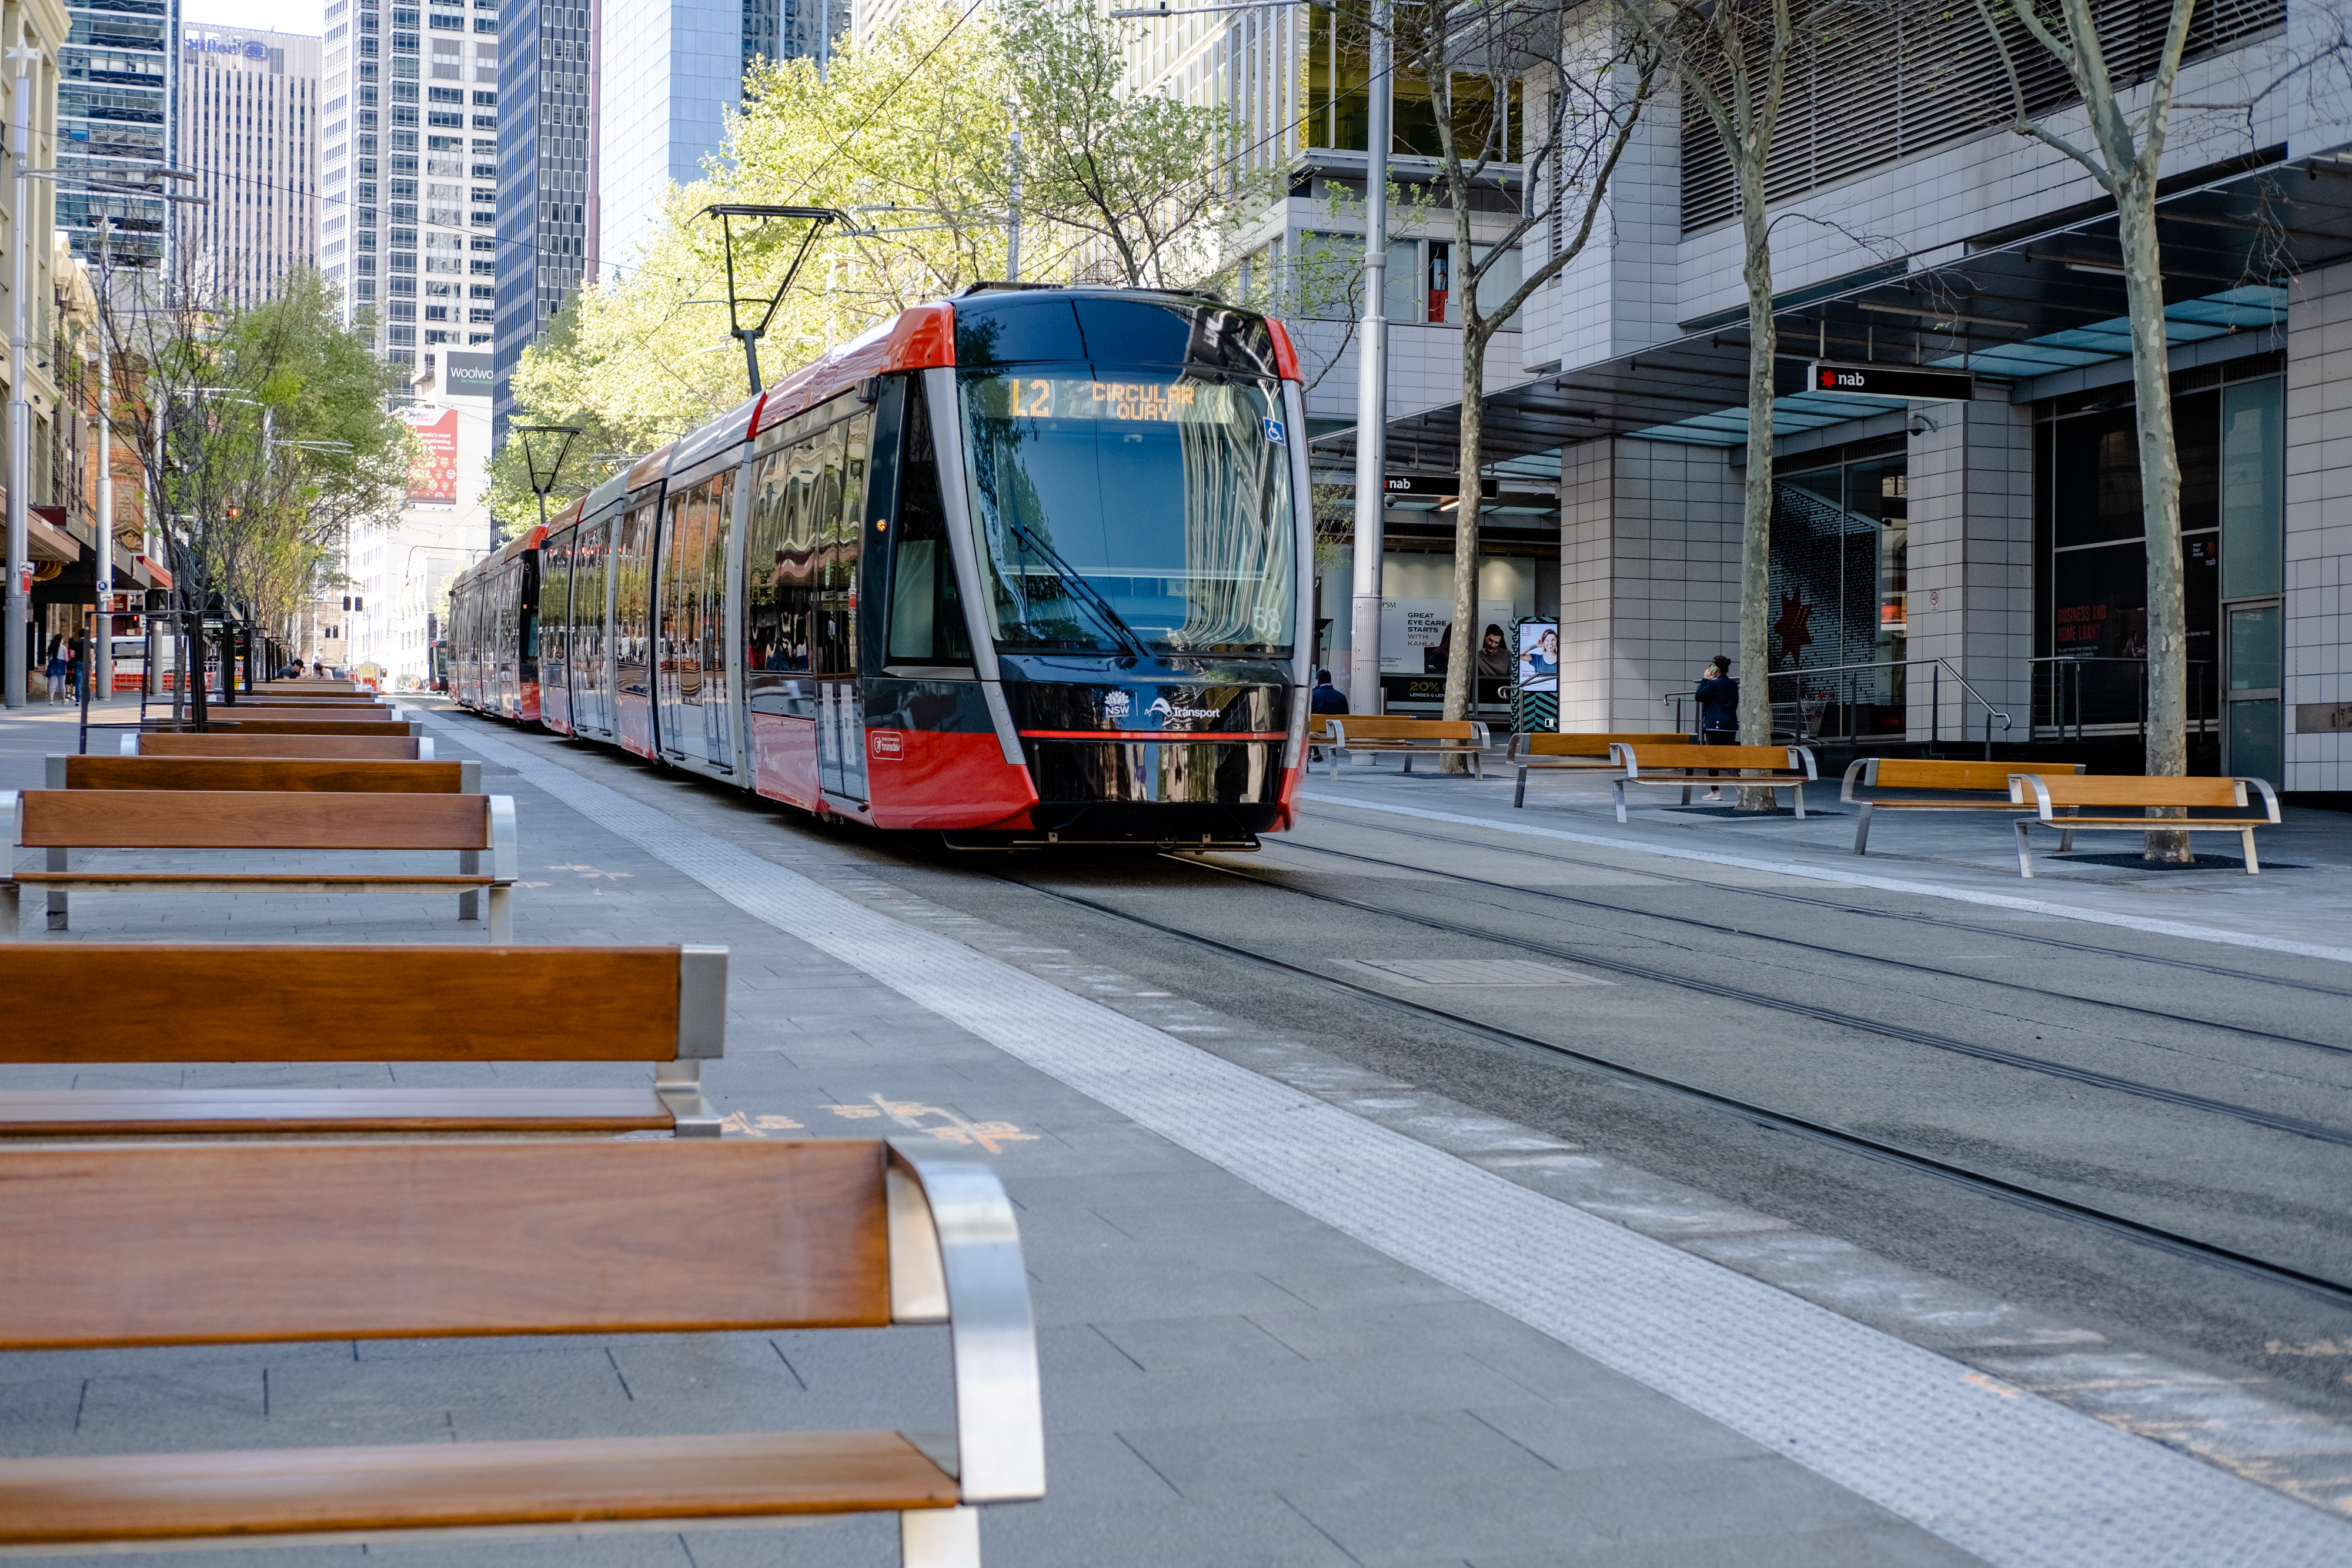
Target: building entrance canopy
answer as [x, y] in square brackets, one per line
[2011, 307]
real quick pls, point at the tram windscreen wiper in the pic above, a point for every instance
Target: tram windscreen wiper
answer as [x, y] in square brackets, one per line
[1075, 581]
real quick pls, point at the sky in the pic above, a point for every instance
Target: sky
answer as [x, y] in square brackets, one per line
[271, 15]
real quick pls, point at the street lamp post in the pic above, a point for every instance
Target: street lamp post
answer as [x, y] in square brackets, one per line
[815, 217]
[20, 618]
[1372, 387]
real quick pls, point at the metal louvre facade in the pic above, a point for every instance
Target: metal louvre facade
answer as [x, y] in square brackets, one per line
[1870, 87]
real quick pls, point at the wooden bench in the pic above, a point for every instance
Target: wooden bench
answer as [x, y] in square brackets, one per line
[2048, 795]
[286, 727]
[1581, 753]
[1788, 768]
[353, 777]
[402, 1002]
[1409, 736]
[349, 748]
[163, 1244]
[1956, 786]
[249, 819]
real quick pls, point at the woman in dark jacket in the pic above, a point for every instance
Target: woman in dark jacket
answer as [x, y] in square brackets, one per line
[1718, 708]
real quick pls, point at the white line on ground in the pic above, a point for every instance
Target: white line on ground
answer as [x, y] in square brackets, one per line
[1856, 879]
[2021, 1482]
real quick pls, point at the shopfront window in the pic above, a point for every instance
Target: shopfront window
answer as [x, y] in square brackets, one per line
[2092, 624]
[1839, 619]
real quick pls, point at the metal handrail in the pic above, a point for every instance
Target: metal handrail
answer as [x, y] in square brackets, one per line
[2077, 661]
[1938, 665]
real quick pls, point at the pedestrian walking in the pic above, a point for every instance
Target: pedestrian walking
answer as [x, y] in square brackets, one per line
[55, 670]
[1326, 697]
[1718, 710]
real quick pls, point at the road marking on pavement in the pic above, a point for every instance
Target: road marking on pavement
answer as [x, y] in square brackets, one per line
[1854, 878]
[2019, 1481]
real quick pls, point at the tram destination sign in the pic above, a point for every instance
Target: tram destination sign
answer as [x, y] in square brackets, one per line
[1891, 381]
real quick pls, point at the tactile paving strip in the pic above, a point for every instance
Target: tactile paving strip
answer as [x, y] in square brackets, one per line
[2019, 1482]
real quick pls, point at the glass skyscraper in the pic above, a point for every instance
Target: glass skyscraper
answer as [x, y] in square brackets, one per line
[408, 167]
[116, 109]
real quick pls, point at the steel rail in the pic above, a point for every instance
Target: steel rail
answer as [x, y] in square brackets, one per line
[1973, 929]
[1823, 947]
[2154, 1236]
[2272, 1121]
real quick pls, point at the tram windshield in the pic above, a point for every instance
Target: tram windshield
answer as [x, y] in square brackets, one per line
[1149, 514]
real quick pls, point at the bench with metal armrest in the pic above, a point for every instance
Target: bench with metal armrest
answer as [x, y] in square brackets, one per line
[1788, 768]
[65, 819]
[354, 747]
[1956, 786]
[1581, 753]
[163, 1244]
[2048, 795]
[347, 1004]
[1369, 733]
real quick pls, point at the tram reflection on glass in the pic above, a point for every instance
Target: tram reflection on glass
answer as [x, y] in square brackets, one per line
[1029, 565]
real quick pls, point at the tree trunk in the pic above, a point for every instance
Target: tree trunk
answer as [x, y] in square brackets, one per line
[2160, 478]
[1756, 522]
[1462, 660]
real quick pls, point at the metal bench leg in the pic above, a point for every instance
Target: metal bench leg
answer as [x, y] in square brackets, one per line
[2024, 859]
[939, 1538]
[1687, 789]
[8, 911]
[501, 913]
[1617, 785]
[2254, 867]
[1519, 795]
[1862, 831]
[1798, 792]
[469, 904]
[58, 861]
[1408, 762]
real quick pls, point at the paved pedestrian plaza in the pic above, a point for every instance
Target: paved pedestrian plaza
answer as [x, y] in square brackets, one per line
[1293, 1308]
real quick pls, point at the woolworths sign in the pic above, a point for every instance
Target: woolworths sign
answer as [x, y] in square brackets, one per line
[470, 376]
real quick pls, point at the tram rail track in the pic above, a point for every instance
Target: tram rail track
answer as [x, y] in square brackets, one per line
[1782, 896]
[1750, 934]
[2159, 1237]
[1837, 1017]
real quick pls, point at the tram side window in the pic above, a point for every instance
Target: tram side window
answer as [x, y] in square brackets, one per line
[778, 560]
[927, 624]
[630, 606]
[833, 639]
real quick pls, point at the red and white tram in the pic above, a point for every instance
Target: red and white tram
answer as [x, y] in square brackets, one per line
[1030, 565]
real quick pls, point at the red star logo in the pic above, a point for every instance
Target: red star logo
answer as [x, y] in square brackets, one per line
[1794, 628]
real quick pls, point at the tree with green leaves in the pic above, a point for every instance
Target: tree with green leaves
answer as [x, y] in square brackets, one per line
[1568, 135]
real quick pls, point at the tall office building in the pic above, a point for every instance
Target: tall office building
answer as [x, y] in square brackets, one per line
[666, 76]
[115, 111]
[249, 129]
[547, 172]
[409, 168]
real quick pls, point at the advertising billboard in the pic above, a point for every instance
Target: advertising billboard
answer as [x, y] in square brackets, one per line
[433, 472]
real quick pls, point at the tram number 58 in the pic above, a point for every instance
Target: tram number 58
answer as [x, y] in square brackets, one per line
[1267, 621]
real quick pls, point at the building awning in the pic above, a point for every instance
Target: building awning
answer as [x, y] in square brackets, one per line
[150, 573]
[50, 542]
[2010, 307]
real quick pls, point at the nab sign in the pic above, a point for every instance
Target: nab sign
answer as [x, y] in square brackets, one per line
[1891, 381]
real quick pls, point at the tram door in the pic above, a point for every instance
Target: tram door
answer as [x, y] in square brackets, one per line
[555, 631]
[832, 633]
[591, 685]
[693, 674]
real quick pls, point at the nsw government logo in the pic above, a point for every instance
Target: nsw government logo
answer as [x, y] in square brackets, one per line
[1116, 704]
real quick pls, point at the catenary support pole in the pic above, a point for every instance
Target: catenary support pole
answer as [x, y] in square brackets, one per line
[20, 618]
[101, 667]
[1012, 215]
[1371, 389]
